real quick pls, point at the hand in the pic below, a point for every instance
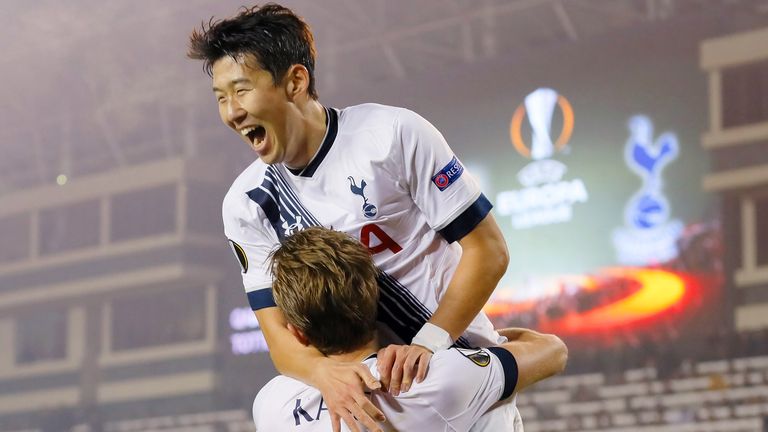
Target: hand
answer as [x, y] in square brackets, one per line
[398, 364]
[341, 384]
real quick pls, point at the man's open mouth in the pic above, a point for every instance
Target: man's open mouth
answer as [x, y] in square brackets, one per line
[255, 134]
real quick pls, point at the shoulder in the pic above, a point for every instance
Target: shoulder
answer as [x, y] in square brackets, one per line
[281, 384]
[467, 358]
[279, 391]
[368, 115]
[461, 385]
[458, 369]
[377, 116]
[250, 178]
[383, 129]
[236, 200]
[285, 402]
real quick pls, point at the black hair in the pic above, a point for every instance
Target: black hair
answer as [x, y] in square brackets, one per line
[272, 34]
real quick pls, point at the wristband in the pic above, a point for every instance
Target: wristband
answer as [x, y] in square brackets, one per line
[432, 338]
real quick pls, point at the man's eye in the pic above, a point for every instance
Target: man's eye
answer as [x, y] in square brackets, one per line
[241, 92]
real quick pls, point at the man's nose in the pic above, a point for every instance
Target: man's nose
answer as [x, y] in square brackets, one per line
[235, 111]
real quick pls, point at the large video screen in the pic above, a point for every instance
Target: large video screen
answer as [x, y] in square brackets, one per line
[596, 180]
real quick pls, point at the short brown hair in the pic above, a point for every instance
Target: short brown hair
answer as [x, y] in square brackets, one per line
[325, 282]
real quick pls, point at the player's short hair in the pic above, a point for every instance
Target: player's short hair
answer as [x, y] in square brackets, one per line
[325, 283]
[272, 35]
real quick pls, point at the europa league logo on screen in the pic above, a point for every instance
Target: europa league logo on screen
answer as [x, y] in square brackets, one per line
[648, 237]
[540, 109]
[546, 198]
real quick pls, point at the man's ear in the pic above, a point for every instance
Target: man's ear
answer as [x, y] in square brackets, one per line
[298, 334]
[296, 81]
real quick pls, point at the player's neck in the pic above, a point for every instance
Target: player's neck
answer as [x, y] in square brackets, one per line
[312, 116]
[359, 354]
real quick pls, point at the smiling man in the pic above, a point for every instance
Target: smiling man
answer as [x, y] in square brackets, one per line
[381, 174]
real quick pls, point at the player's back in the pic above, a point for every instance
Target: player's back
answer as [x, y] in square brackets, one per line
[460, 387]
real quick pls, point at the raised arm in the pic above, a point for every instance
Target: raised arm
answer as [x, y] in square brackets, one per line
[484, 259]
[483, 262]
[340, 383]
[452, 203]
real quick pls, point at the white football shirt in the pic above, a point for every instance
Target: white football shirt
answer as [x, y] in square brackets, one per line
[385, 176]
[457, 395]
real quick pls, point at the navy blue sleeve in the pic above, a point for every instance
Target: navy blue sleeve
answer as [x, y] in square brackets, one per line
[468, 220]
[261, 299]
[509, 364]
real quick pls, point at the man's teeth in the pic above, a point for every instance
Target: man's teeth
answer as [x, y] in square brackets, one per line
[246, 131]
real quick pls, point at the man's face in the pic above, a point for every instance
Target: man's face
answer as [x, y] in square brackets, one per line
[252, 106]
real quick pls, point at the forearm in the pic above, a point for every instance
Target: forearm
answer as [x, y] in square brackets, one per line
[484, 260]
[519, 334]
[472, 284]
[538, 355]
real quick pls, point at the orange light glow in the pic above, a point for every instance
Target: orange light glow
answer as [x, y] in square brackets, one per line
[659, 291]
[499, 308]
